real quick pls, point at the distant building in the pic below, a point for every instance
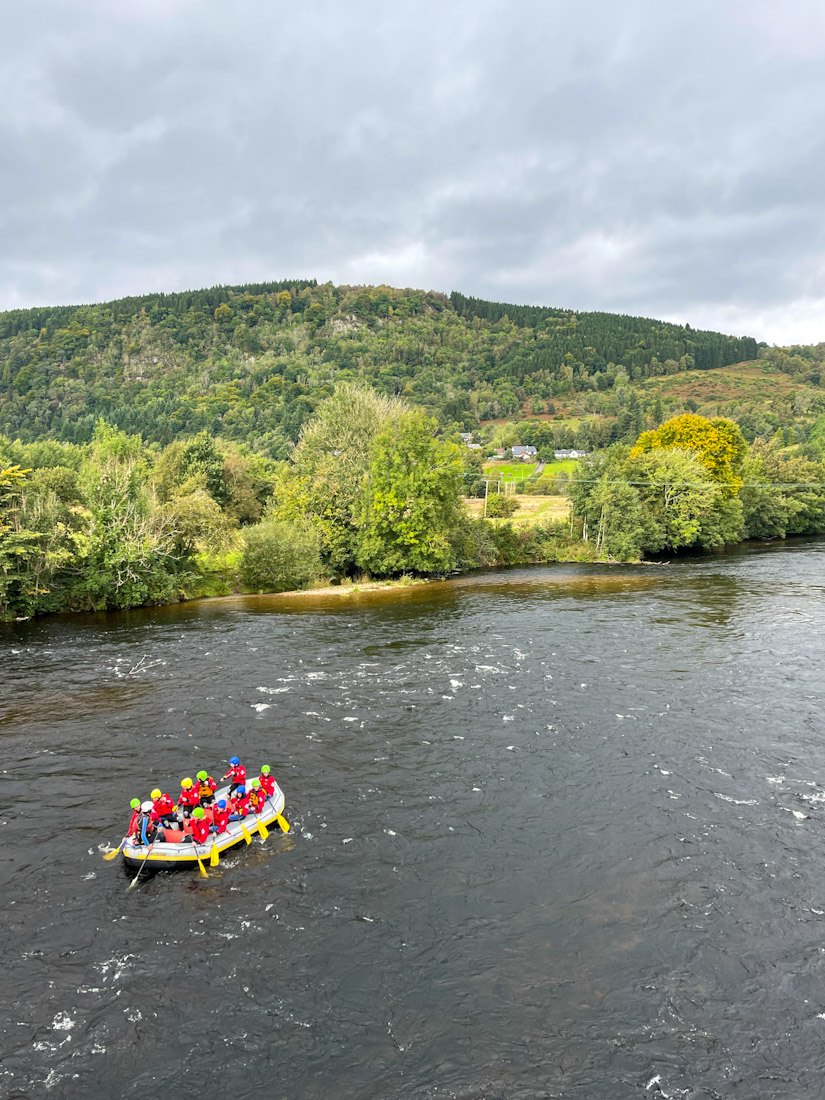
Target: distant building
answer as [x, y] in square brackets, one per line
[466, 437]
[499, 452]
[524, 452]
[474, 446]
[569, 454]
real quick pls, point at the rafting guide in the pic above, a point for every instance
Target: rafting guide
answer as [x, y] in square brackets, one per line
[207, 820]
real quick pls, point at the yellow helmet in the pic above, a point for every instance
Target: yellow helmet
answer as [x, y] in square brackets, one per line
[156, 793]
[186, 783]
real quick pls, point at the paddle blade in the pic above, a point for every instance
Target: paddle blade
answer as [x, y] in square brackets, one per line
[214, 859]
[116, 852]
[143, 864]
[246, 835]
[202, 868]
[262, 829]
[282, 821]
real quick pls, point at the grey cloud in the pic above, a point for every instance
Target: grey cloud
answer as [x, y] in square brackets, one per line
[662, 160]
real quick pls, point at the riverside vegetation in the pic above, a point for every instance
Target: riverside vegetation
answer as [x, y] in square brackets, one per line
[266, 437]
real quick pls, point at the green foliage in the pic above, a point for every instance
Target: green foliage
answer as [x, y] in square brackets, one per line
[195, 520]
[609, 509]
[201, 456]
[784, 494]
[500, 506]
[410, 505]
[329, 467]
[279, 555]
[676, 495]
[251, 363]
[15, 539]
[816, 437]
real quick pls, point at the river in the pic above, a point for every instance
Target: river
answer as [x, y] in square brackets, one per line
[557, 832]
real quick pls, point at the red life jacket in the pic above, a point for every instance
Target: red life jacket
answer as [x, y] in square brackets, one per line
[241, 805]
[220, 818]
[189, 797]
[133, 822]
[237, 773]
[162, 807]
[268, 784]
[200, 829]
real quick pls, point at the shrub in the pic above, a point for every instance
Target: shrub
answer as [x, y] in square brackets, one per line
[279, 556]
[500, 506]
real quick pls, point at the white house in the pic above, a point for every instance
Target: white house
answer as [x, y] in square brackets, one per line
[524, 452]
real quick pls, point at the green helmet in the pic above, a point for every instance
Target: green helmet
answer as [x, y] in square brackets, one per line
[198, 812]
[135, 803]
[256, 782]
[265, 769]
[202, 776]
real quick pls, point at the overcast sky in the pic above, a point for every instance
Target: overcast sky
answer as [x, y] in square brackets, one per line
[664, 159]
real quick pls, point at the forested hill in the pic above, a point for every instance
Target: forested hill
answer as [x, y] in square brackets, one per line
[252, 362]
[614, 337]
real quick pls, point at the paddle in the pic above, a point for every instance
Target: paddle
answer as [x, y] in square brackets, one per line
[140, 869]
[214, 859]
[200, 864]
[262, 829]
[111, 855]
[282, 821]
[246, 835]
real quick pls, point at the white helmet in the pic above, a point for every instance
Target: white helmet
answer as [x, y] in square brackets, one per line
[146, 807]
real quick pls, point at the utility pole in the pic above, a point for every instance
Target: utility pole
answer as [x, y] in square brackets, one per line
[486, 491]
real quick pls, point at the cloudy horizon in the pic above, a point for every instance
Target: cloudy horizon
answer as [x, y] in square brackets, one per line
[664, 162]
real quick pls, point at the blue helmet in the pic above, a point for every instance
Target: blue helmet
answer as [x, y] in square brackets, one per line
[234, 761]
[241, 790]
[222, 804]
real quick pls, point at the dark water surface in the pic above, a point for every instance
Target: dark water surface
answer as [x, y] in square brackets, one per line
[558, 832]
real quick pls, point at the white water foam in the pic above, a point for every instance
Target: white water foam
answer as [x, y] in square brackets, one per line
[735, 801]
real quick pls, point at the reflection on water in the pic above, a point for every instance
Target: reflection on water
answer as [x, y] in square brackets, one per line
[556, 832]
[31, 703]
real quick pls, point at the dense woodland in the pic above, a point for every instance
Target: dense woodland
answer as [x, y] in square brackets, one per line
[268, 436]
[252, 363]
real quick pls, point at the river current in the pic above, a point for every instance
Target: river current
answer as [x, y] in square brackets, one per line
[557, 832]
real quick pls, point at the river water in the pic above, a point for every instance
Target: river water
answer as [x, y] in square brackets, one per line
[557, 832]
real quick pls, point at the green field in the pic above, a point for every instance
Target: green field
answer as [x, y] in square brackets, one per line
[560, 466]
[510, 471]
[524, 471]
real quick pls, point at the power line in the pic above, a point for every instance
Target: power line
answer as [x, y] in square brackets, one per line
[700, 484]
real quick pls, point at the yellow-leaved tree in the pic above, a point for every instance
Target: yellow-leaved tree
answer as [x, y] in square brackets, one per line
[718, 444]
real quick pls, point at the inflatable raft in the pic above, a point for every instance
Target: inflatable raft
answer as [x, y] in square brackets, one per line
[179, 850]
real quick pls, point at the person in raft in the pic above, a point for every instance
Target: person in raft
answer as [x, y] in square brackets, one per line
[267, 780]
[146, 830]
[240, 803]
[189, 797]
[163, 809]
[135, 804]
[257, 798]
[236, 773]
[220, 816]
[200, 827]
[206, 788]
